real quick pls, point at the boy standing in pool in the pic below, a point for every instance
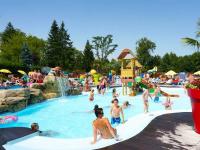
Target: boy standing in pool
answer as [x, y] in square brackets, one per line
[115, 113]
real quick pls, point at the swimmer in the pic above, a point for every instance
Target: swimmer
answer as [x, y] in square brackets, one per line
[126, 104]
[115, 113]
[91, 98]
[34, 127]
[114, 93]
[168, 104]
[49, 133]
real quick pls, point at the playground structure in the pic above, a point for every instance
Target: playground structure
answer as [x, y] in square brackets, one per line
[130, 68]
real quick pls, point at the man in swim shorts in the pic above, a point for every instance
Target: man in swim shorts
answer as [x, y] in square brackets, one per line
[115, 113]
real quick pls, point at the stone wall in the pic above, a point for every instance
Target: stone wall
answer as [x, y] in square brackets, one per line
[15, 100]
[18, 99]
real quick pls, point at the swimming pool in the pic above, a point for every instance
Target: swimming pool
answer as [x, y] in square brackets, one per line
[70, 116]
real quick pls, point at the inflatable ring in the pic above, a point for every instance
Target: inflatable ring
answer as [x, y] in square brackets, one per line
[8, 119]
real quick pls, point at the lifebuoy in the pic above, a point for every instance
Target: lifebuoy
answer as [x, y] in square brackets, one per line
[8, 119]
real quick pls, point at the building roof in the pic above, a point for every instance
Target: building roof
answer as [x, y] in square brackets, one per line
[126, 54]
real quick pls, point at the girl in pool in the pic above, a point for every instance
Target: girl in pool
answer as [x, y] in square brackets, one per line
[91, 98]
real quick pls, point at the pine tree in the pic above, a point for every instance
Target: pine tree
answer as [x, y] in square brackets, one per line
[59, 50]
[8, 32]
[52, 51]
[67, 50]
[88, 57]
[26, 56]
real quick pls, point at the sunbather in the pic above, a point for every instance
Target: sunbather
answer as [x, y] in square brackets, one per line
[103, 127]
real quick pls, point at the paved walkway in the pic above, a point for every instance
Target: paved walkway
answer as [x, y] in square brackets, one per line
[169, 131]
[9, 134]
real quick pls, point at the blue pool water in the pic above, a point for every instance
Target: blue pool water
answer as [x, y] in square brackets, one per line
[70, 116]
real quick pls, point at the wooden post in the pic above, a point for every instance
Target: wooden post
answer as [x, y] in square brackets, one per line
[125, 88]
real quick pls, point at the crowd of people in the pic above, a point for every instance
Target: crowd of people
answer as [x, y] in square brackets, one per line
[25, 80]
[103, 126]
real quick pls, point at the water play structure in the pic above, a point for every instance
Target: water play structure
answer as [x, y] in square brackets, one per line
[130, 68]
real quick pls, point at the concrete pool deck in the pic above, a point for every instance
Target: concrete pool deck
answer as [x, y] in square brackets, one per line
[168, 131]
[126, 131]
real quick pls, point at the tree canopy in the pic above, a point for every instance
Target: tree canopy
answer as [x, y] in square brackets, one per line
[19, 50]
[88, 57]
[144, 48]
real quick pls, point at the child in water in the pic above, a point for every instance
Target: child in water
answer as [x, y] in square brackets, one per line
[114, 93]
[145, 97]
[126, 104]
[49, 133]
[168, 104]
[91, 98]
[156, 93]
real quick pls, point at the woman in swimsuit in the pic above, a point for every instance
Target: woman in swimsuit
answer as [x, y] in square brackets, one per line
[103, 127]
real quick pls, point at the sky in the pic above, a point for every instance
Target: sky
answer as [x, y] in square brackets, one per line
[164, 22]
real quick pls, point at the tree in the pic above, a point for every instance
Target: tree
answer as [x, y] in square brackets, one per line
[193, 42]
[185, 64]
[103, 46]
[11, 46]
[8, 32]
[154, 61]
[26, 56]
[144, 47]
[78, 61]
[195, 57]
[88, 57]
[37, 47]
[115, 65]
[169, 62]
[52, 52]
[67, 51]
[59, 50]
[11, 49]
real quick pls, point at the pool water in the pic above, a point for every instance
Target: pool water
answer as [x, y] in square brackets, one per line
[72, 116]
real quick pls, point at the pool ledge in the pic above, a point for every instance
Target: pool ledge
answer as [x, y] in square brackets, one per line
[126, 131]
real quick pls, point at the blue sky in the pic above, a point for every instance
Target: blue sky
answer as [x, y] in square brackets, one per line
[164, 22]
